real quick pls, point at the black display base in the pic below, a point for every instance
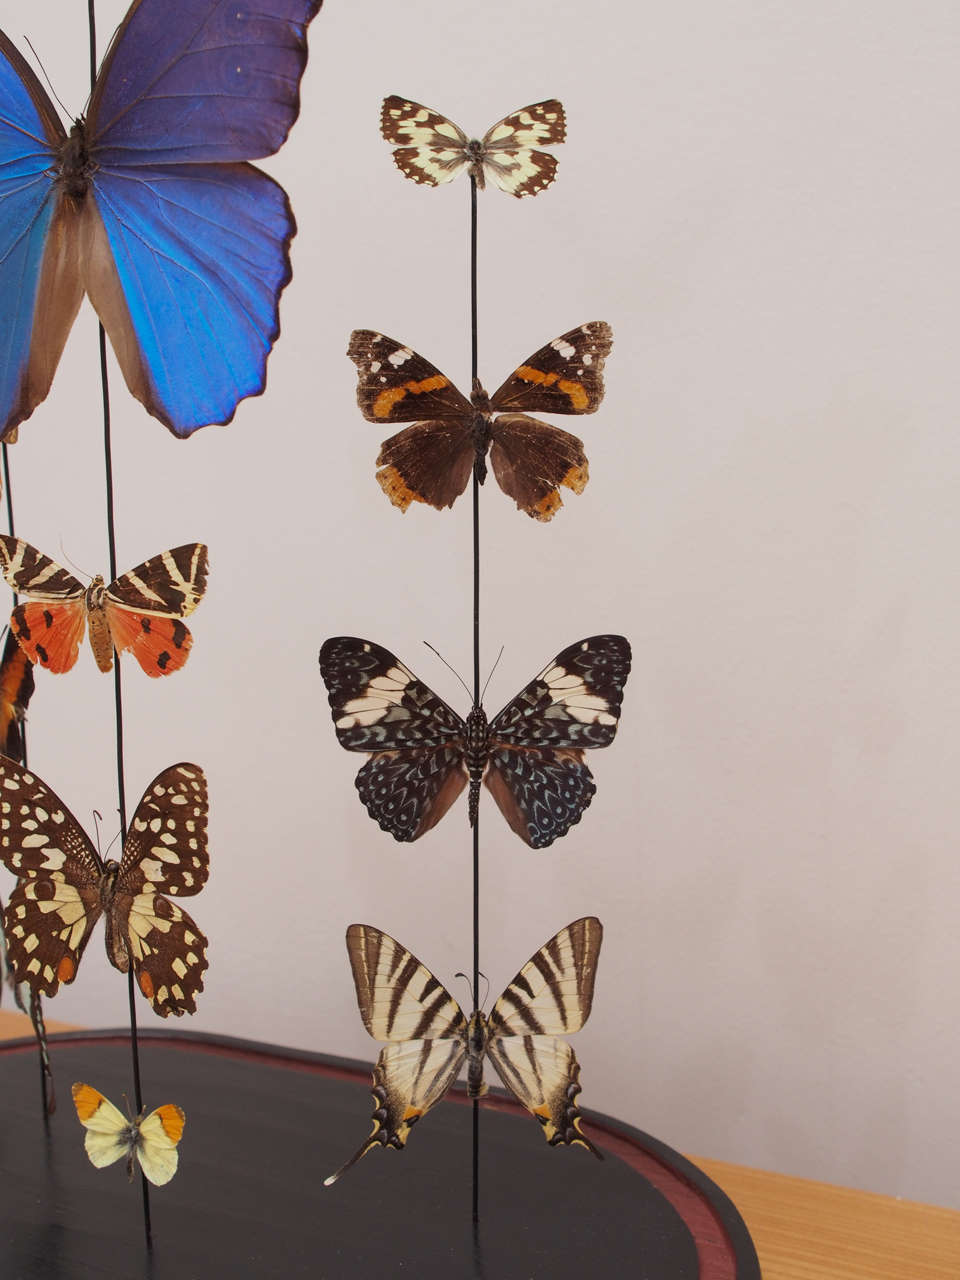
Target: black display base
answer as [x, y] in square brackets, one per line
[265, 1126]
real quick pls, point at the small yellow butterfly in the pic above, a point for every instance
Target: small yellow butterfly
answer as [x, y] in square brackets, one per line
[111, 1135]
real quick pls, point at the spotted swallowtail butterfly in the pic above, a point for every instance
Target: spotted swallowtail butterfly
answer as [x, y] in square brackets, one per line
[422, 753]
[429, 1037]
[64, 887]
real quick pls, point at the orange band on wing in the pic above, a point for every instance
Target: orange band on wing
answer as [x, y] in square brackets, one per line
[383, 405]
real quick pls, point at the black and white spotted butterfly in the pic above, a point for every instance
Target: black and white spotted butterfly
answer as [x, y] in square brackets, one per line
[429, 1038]
[64, 887]
[422, 753]
[30, 1004]
[432, 149]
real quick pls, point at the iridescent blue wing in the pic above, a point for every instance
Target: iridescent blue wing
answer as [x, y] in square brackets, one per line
[190, 251]
[39, 293]
[536, 771]
[190, 265]
[189, 81]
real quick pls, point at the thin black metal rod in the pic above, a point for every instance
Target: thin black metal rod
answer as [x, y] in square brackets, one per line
[476, 675]
[117, 687]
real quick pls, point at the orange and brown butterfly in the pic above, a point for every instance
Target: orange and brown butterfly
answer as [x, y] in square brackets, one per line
[150, 1140]
[432, 460]
[16, 690]
[432, 149]
[64, 886]
[140, 611]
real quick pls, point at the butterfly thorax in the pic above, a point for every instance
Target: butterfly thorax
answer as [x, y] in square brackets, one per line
[477, 1035]
[116, 946]
[100, 639]
[482, 429]
[474, 153]
[475, 758]
[75, 167]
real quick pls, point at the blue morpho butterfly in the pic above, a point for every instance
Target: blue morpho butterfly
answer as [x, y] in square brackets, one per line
[149, 207]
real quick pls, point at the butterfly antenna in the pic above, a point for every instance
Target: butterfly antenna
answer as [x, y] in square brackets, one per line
[492, 670]
[82, 572]
[53, 91]
[449, 668]
[473, 994]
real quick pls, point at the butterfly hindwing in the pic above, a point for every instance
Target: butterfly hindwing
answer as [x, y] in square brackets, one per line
[531, 460]
[16, 690]
[430, 462]
[543, 1074]
[565, 376]
[408, 792]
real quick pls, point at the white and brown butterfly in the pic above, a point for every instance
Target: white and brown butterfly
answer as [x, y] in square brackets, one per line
[30, 1004]
[422, 753]
[432, 460]
[432, 149]
[64, 887]
[140, 611]
[429, 1037]
[148, 1140]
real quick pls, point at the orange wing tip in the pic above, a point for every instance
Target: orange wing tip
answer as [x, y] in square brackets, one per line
[576, 478]
[172, 1120]
[396, 489]
[547, 507]
[87, 1101]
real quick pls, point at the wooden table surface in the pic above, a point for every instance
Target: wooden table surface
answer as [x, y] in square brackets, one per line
[802, 1230]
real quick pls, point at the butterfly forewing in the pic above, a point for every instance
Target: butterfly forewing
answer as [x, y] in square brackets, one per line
[166, 843]
[399, 997]
[553, 992]
[395, 384]
[565, 376]
[170, 584]
[575, 700]
[34, 574]
[380, 705]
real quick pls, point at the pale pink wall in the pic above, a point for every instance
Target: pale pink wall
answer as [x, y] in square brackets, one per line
[762, 199]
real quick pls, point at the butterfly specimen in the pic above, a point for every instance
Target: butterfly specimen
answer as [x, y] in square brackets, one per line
[429, 1038]
[139, 611]
[431, 461]
[150, 1139]
[16, 690]
[433, 150]
[149, 207]
[422, 754]
[32, 1006]
[64, 887]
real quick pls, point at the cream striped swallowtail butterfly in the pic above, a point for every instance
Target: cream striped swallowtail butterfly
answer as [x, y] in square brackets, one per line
[429, 1038]
[422, 753]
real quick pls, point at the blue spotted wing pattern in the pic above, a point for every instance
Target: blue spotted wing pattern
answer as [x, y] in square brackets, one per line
[422, 753]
